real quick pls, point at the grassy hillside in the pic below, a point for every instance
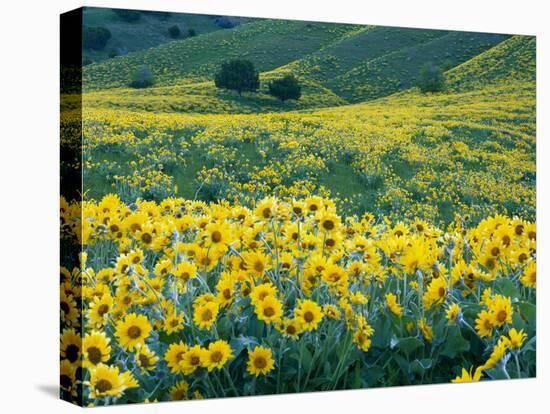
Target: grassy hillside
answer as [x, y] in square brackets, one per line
[397, 70]
[336, 65]
[149, 31]
[269, 44]
[513, 59]
[204, 97]
[360, 46]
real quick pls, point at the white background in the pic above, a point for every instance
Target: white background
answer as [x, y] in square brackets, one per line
[29, 159]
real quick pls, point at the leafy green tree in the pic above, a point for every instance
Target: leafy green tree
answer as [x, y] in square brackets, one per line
[431, 78]
[285, 88]
[174, 31]
[238, 75]
[142, 78]
[95, 37]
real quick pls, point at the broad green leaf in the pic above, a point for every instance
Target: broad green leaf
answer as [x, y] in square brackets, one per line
[454, 344]
[409, 344]
[420, 366]
[507, 288]
[528, 312]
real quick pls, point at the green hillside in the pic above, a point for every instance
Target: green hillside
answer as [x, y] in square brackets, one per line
[149, 31]
[329, 64]
[269, 44]
[398, 69]
[337, 64]
[513, 59]
[204, 97]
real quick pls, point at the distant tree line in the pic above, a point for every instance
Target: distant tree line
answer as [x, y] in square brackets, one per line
[238, 75]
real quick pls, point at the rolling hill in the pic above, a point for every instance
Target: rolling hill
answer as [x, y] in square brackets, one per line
[269, 44]
[150, 30]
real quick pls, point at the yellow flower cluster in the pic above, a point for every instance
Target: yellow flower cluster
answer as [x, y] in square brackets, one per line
[408, 155]
[183, 299]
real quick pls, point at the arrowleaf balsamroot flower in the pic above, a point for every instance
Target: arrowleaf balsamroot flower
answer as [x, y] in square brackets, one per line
[260, 361]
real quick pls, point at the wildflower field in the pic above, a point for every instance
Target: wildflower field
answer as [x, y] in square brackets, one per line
[365, 235]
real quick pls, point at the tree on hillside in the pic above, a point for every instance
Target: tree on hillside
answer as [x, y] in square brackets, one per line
[285, 88]
[95, 37]
[238, 75]
[431, 78]
[174, 31]
[142, 78]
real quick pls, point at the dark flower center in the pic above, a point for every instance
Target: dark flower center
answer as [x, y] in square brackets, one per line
[65, 381]
[260, 362]
[134, 332]
[72, 352]
[103, 385]
[94, 355]
[216, 236]
[216, 356]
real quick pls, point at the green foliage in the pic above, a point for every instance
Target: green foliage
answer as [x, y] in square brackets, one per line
[142, 78]
[191, 32]
[431, 78]
[95, 37]
[285, 88]
[129, 16]
[114, 52]
[226, 22]
[174, 31]
[238, 75]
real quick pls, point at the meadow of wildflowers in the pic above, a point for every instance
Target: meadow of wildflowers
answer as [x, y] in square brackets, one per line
[222, 248]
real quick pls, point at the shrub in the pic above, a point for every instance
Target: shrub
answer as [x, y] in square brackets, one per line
[96, 37]
[285, 88]
[114, 52]
[225, 22]
[238, 75]
[431, 78]
[174, 31]
[129, 16]
[142, 78]
[191, 32]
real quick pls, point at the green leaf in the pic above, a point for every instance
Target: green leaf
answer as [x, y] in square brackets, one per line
[373, 374]
[420, 366]
[506, 287]
[224, 326]
[403, 364]
[357, 381]
[454, 344]
[496, 373]
[517, 321]
[307, 358]
[528, 312]
[409, 344]
[242, 342]
[382, 336]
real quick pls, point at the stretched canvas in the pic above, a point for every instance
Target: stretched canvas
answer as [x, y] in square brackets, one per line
[256, 206]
